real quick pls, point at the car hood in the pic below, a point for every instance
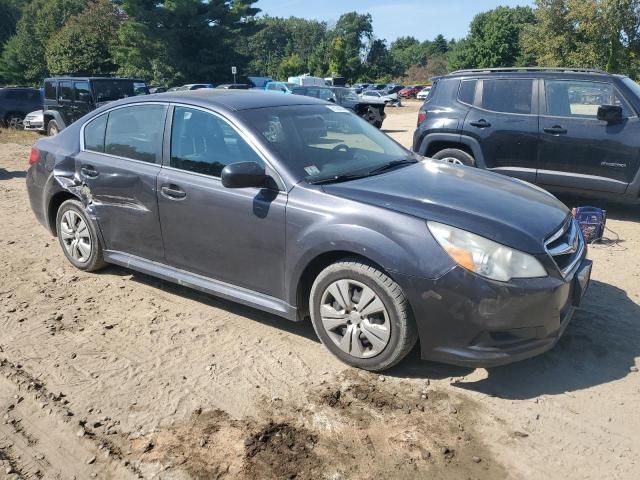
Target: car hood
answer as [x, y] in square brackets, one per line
[503, 209]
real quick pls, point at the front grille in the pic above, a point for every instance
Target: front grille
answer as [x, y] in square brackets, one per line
[566, 246]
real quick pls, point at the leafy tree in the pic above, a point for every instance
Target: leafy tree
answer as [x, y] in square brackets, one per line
[379, 63]
[291, 66]
[10, 11]
[200, 39]
[338, 57]
[83, 44]
[601, 34]
[23, 59]
[355, 31]
[494, 40]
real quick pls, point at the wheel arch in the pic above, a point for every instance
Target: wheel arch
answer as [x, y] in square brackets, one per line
[313, 269]
[435, 142]
[54, 205]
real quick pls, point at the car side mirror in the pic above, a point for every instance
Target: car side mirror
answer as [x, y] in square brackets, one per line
[243, 175]
[612, 114]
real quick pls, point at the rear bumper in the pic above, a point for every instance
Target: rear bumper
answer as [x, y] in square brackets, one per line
[466, 320]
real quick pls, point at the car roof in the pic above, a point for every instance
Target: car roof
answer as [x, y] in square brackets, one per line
[232, 100]
[50, 79]
[576, 73]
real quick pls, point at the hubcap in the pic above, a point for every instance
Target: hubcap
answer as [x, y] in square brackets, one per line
[355, 318]
[76, 236]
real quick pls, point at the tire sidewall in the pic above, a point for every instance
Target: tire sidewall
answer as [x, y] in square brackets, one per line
[340, 272]
[458, 154]
[54, 124]
[95, 258]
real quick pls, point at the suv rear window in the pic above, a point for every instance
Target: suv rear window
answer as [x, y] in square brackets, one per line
[507, 95]
[467, 91]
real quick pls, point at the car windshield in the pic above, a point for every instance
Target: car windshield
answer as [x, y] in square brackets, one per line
[324, 143]
[110, 90]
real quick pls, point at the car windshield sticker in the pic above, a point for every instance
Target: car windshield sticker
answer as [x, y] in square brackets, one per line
[312, 170]
[335, 108]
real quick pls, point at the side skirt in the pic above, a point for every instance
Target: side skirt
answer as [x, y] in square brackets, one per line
[203, 284]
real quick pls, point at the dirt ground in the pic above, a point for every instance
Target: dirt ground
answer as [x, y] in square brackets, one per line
[118, 375]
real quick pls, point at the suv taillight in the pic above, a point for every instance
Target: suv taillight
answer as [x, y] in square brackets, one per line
[34, 156]
[422, 116]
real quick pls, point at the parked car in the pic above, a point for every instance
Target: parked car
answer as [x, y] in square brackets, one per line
[16, 103]
[374, 96]
[566, 130]
[280, 87]
[157, 89]
[258, 83]
[360, 87]
[410, 92]
[66, 99]
[197, 86]
[234, 86]
[371, 112]
[392, 89]
[423, 94]
[34, 121]
[257, 198]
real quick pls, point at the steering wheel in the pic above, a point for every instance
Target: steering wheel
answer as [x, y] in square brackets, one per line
[341, 147]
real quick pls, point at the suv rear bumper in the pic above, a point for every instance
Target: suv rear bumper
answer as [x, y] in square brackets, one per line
[466, 320]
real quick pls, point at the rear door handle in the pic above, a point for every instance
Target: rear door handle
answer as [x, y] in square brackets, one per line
[173, 192]
[89, 171]
[555, 130]
[482, 123]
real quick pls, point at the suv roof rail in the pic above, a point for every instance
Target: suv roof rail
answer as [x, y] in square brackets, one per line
[528, 69]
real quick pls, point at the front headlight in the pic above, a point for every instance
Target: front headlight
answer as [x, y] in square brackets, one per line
[485, 257]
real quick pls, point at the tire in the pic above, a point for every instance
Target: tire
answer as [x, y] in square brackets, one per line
[455, 156]
[14, 120]
[394, 326]
[90, 256]
[52, 128]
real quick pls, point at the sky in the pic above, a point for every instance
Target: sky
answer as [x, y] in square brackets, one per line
[423, 19]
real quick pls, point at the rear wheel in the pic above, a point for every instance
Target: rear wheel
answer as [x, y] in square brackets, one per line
[52, 128]
[14, 120]
[78, 237]
[361, 315]
[455, 156]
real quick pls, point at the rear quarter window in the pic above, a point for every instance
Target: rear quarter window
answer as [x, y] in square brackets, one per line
[467, 91]
[94, 134]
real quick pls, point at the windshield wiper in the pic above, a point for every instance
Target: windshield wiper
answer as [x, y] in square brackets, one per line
[338, 178]
[393, 164]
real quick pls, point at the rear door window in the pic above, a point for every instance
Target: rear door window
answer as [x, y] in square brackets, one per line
[66, 92]
[135, 132]
[507, 95]
[82, 92]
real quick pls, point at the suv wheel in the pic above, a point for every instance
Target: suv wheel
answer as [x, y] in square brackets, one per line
[52, 128]
[78, 237]
[14, 120]
[361, 315]
[455, 156]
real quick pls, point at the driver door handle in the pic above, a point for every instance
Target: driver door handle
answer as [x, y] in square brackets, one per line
[555, 130]
[482, 123]
[173, 192]
[89, 171]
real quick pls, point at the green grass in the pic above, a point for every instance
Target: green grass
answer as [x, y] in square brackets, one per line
[21, 137]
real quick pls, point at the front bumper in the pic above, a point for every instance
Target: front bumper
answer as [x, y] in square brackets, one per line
[464, 319]
[34, 126]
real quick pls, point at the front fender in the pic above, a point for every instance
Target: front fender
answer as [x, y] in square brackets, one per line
[397, 242]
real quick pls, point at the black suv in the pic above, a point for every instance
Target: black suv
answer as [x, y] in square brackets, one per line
[66, 99]
[569, 131]
[16, 103]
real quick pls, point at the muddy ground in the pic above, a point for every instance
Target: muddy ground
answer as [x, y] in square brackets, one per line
[119, 375]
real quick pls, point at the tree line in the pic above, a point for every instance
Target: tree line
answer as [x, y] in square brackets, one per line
[168, 43]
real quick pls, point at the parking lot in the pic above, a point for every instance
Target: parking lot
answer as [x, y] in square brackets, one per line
[120, 375]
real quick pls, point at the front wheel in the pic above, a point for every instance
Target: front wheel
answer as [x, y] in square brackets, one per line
[361, 315]
[455, 156]
[52, 128]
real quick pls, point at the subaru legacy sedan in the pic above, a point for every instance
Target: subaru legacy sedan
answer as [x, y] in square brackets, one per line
[298, 207]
